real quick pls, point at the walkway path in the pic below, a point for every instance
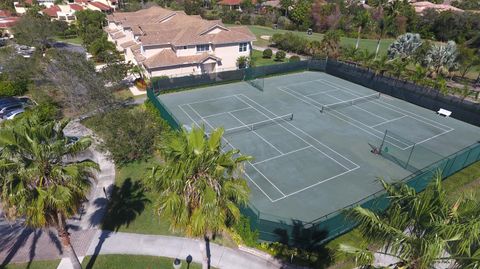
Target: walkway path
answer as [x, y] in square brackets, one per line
[177, 247]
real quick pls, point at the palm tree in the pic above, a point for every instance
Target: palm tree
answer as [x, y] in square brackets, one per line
[421, 229]
[243, 62]
[381, 27]
[40, 179]
[331, 43]
[361, 20]
[381, 65]
[366, 58]
[349, 53]
[200, 187]
[419, 74]
[137, 70]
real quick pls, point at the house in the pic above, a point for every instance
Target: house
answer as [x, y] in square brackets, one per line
[234, 4]
[63, 12]
[99, 6]
[7, 20]
[171, 43]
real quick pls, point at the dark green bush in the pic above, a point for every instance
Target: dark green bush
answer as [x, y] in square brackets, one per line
[280, 55]
[245, 19]
[294, 58]
[267, 53]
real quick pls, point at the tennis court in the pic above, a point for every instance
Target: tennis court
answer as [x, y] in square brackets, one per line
[312, 136]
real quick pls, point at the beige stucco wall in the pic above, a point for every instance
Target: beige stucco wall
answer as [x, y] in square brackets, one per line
[229, 54]
[175, 71]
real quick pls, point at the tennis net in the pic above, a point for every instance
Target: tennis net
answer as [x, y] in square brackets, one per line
[349, 102]
[259, 124]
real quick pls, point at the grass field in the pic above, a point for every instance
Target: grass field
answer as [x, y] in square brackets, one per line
[369, 44]
[133, 262]
[75, 40]
[257, 57]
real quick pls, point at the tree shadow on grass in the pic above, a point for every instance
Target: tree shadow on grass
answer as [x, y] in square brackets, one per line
[125, 204]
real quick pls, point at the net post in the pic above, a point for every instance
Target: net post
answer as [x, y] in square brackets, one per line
[383, 141]
[409, 156]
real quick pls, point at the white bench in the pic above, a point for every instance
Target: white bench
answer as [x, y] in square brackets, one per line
[444, 112]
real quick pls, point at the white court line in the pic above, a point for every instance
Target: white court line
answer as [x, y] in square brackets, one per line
[336, 116]
[328, 156]
[372, 126]
[283, 154]
[221, 113]
[317, 93]
[261, 137]
[304, 82]
[395, 109]
[206, 100]
[313, 185]
[358, 107]
[230, 143]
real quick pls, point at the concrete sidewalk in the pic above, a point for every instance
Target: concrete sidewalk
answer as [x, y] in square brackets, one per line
[178, 247]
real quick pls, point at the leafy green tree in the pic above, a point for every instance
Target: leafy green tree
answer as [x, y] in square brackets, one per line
[35, 31]
[200, 187]
[467, 59]
[40, 180]
[301, 14]
[331, 44]
[420, 229]
[90, 24]
[405, 46]
[103, 50]
[193, 7]
[115, 72]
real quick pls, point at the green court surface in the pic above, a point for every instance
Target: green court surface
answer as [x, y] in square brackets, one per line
[308, 163]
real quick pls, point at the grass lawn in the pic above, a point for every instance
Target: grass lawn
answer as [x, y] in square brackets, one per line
[369, 44]
[257, 57]
[133, 262]
[75, 40]
[129, 181]
[34, 265]
[466, 180]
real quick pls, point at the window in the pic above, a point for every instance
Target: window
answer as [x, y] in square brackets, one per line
[184, 47]
[243, 47]
[201, 48]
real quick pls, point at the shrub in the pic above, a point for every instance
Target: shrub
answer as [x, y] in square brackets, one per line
[284, 23]
[261, 20]
[230, 16]
[280, 55]
[245, 19]
[12, 87]
[128, 134]
[267, 53]
[294, 58]
[243, 229]
[291, 42]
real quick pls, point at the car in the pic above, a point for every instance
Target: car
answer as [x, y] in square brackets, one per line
[9, 107]
[13, 113]
[8, 100]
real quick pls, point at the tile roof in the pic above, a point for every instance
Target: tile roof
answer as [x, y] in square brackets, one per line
[128, 44]
[51, 11]
[76, 7]
[157, 26]
[8, 22]
[101, 6]
[167, 57]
